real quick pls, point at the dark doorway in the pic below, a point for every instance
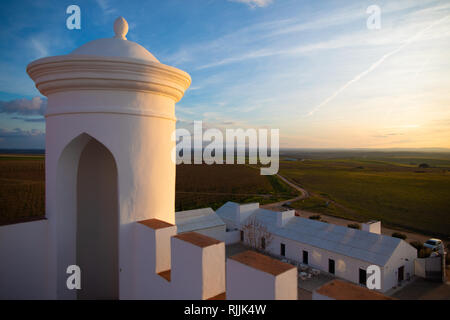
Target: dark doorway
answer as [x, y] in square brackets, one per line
[282, 250]
[331, 266]
[242, 236]
[305, 257]
[401, 274]
[97, 223]
[362, 277]
[263, 243]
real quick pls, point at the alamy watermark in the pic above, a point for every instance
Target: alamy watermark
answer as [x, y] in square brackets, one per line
[237, 144]
[74, 280]
[74, 20]
[373, 277]
[374, 20]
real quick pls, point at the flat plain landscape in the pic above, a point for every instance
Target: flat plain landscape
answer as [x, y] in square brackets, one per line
[22, 187]
[409, 191]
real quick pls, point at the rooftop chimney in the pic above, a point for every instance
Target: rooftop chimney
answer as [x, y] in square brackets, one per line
[372, 226]
[283, 217]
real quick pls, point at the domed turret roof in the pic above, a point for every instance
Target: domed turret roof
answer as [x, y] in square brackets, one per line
[111, 65]
[118, 46]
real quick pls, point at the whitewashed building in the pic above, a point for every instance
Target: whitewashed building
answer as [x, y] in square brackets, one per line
[204, 221]
[342, 251]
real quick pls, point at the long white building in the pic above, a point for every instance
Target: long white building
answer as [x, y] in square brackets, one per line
[342, 251]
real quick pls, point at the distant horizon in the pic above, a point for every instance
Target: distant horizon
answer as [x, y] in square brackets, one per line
[426, 149]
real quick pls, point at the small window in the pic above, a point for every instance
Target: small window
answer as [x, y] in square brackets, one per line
[362, 277]
[331, 266]
[305, 257]
[282, 249]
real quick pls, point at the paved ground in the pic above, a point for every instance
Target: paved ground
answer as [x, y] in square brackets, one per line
[314, 282]
[421, 289]
[304, 295]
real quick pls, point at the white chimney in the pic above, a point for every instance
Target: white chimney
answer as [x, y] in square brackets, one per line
[372, 226]
[283, 217]
[243, 211]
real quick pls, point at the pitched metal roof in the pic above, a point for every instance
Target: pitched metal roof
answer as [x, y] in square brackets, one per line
[358, 244]
[192, 220]
[228, 211]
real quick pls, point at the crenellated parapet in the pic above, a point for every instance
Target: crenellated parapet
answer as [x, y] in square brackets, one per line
[192, 266]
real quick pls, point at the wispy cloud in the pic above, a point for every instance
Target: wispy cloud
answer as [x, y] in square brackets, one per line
[24, 107]
[19, 133]
[18, 138]
[376, 65]
[39, 47]
[106, 6]
[254, 3]
[27, 119]
[284, 37]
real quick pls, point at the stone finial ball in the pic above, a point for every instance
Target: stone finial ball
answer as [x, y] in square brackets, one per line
[120, 28]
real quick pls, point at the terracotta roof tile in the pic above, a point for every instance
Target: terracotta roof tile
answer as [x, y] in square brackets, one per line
[165, 274]
[342, 290]
[155, 223]
[262, 262]
[221, 296]
[197, 239]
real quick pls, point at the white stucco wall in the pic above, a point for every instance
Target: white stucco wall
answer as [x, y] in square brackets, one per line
[142, 155]
[153, 255]
[232, 237]
[197, 272]
[24, 261]
[213, 270]
[404, 255]
[286, 285]
[345, 267]
[245, 282]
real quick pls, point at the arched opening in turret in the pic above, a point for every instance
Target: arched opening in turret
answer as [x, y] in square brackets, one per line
[88, 219]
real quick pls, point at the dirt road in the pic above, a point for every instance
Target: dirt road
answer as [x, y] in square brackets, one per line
[304, 195]
[277, 206]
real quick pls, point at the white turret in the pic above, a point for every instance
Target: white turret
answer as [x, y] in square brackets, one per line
[109, 121]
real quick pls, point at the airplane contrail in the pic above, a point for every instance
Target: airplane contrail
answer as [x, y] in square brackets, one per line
[375, 65]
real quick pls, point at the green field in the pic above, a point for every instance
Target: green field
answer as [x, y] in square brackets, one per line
[389, 187]
[22, 187]
[212, 185]
[394, 190]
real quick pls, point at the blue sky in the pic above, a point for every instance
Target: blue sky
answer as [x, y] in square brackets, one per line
[309, 68]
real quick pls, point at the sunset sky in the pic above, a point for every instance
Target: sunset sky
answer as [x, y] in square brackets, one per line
[309, 68]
